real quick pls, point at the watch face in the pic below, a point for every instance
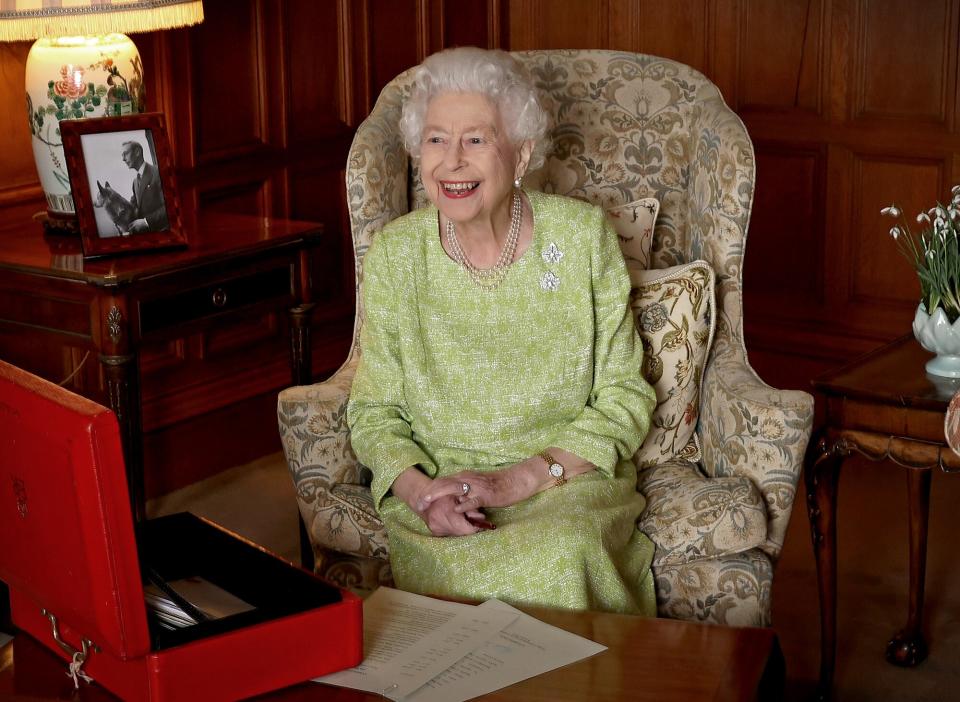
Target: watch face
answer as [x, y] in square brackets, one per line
[556, 470]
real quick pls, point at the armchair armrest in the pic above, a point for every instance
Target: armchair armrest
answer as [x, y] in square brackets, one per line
[751, 429]
[314, 433]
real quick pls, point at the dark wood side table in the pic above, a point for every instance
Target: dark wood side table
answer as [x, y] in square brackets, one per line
[235, 265]
[885, 407]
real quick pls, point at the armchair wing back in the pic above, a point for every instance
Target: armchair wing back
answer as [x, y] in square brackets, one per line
[625, 126]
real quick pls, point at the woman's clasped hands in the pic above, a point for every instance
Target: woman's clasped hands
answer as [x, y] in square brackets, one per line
[449, 509]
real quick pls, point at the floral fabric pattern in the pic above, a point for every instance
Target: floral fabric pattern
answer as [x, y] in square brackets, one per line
[674, 314]
[634, 223]
[625, 126]
[691, 517]
[731, 590]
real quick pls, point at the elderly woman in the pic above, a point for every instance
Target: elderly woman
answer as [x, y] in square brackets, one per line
[499, 398]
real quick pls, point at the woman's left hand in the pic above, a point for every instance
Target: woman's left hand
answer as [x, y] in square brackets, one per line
[499, 488]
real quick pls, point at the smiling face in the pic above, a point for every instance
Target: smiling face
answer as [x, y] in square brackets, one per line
[467, 163]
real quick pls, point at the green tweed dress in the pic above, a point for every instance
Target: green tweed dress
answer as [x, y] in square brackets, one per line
[453, 377]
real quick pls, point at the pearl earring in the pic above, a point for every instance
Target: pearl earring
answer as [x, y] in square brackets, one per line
[516, 182]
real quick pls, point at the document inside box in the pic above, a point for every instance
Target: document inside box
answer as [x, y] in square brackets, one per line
[188, 601]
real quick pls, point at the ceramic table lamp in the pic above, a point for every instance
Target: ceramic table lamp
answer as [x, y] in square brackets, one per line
[81, 66]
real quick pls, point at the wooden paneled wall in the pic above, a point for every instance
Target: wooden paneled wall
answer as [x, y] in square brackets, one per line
[851, 105]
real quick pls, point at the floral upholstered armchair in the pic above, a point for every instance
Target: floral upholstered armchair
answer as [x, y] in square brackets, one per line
[625, 126]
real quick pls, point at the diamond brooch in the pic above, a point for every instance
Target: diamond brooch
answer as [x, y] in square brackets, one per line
[550, 281]
[552, 254]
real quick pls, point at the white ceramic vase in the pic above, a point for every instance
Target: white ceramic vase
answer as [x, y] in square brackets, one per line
[76, 78]
[937, 335]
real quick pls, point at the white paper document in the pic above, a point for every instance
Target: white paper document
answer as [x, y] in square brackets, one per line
[525, 648]
[426, 650]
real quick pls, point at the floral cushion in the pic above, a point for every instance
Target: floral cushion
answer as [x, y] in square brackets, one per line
[634, 224]
[690, 516]
[675, 319]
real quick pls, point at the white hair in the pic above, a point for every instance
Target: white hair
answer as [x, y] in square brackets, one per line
[496, 75]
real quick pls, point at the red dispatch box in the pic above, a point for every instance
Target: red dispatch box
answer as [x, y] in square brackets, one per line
[76, 569]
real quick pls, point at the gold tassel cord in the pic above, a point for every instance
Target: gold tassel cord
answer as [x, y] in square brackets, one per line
[99, 19]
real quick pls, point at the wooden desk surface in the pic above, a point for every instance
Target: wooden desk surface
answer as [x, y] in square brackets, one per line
[894, 375]
[646, 659]
[213, 236]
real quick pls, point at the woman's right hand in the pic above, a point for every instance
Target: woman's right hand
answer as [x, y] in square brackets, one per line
[440, 515]
[442, 519]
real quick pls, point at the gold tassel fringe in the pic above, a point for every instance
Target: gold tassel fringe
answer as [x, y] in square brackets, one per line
[163, 14]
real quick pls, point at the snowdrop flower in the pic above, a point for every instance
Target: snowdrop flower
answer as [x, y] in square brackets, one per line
[955, 189]
[891, 211]
[923, 217]
[895, 232]
[940, 228]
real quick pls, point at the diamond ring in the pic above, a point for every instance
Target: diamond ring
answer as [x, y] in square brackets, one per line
[465, 487]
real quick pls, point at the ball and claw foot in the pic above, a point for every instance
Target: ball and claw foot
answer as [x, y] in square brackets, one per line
[906, 650]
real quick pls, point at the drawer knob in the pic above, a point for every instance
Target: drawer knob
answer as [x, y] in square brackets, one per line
[219, 297]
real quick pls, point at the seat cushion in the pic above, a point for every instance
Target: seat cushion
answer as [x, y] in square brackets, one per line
[690, 517]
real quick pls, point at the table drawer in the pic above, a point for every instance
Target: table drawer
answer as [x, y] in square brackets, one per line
[177, 308]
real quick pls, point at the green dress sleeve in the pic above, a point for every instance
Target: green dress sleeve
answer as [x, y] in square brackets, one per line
[377, 413]
[616, 417]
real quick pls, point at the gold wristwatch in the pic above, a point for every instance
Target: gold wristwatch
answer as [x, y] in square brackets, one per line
[554, 468]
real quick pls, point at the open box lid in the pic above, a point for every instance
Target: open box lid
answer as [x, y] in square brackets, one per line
[66, 528]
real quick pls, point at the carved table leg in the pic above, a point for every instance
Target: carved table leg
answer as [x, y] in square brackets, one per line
[822, 476]
[907, 647]
[301, 358]
[123, 391]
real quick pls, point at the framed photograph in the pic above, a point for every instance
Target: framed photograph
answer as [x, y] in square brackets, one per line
[121, 175]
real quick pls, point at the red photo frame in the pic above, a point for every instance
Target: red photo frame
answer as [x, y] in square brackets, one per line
[121, 175]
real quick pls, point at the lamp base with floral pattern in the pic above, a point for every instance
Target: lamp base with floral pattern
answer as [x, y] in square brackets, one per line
[76, 78]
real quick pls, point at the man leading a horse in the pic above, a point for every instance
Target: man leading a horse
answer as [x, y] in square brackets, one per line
[150, 211]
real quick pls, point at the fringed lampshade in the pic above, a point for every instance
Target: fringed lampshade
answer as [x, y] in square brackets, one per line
[82, 65]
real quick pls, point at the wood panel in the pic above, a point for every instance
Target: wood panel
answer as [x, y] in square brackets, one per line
[680, 30]
[781, 55]
[878, 274]
[312, 33]
[229, 104]
[786, 224]
[249, 197]
[904, 66]
[456, 23]
[396, 40]
[333, 266]
[558, 24]
[18, 176]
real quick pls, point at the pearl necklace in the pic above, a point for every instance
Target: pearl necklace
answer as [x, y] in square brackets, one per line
[490, 278]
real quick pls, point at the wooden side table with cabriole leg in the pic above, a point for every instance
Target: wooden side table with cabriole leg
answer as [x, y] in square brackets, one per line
[886, 408]
[236, 268]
